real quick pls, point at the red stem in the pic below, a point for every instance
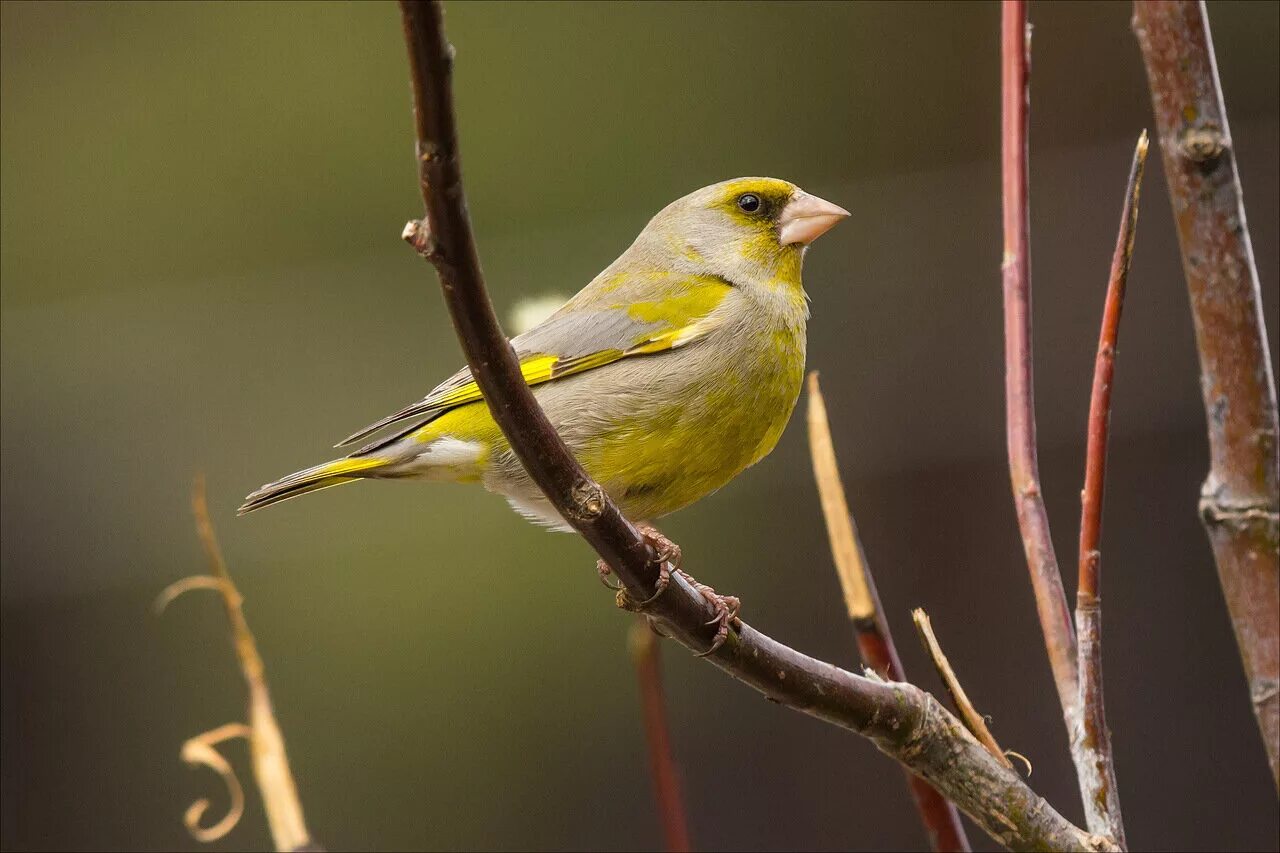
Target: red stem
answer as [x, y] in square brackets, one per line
[1103, 374]
[875, 645]
[1091, 749]
[1033, 520]
[647, 657]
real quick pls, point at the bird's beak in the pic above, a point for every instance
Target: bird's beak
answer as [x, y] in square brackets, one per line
[806, 218]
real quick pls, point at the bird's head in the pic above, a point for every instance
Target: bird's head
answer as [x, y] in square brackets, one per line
[745, 229]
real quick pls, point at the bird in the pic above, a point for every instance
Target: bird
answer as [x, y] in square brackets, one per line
[670, 373]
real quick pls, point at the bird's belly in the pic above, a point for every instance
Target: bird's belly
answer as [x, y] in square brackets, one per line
[675, 448]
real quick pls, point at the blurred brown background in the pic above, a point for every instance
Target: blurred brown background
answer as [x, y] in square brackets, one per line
[201, 270]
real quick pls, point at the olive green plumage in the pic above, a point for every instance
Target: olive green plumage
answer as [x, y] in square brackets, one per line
[672, 371]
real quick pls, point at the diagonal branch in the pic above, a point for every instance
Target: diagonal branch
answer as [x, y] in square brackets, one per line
[875, 643]
[1024, 470]
[904, 722]
[1239, 502]
[1091, 744]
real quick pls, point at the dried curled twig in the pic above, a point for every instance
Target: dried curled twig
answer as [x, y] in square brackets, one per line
[270, 763]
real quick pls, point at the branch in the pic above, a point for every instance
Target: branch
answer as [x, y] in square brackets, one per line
[875, 643]
[266, 743]
[902, 720]
[959, 698]
[646, 655]
[1238, 502]
[1033, 520]
[1091, 744]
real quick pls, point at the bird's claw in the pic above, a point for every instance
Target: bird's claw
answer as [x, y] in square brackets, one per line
[626, 602]
[606, 573]
[726, 607]
[665, 550]
[668, 559]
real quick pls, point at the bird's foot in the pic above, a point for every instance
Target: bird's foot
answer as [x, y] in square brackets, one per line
[726, 607]
[666, 550]
[668, 557]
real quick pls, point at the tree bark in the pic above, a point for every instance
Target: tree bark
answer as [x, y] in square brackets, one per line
[1238, 501]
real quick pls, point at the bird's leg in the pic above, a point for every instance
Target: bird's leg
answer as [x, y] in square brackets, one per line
[670, 559]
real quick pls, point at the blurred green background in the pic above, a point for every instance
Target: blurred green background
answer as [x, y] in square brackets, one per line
[201, 270]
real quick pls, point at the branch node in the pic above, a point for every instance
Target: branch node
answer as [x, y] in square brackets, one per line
[1213, 511]
[417, 233]
[1203, 144]
[428, 150]
[588, 501]
[1264, 690]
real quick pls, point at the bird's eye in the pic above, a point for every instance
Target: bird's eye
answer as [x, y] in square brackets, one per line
[750, 202]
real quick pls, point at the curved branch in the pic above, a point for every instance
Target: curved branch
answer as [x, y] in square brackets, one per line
[902, 720]
[1024, 469]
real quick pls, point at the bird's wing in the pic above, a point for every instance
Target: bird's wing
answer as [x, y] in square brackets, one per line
[576, 339]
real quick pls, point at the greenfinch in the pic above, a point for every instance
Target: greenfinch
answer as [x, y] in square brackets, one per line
[670, 373]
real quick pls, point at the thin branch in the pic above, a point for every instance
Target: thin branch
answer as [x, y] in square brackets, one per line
[1103, 373]
[972, 719]
[902, 720]
[1239, 502]
[266, 743]
[875, 643]
[646, 655]
[1033, 520]
[1091, 745]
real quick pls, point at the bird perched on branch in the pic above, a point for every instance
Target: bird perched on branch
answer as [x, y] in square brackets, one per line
[671, 372]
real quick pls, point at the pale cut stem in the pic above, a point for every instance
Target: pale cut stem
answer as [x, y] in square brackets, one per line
[875, 643]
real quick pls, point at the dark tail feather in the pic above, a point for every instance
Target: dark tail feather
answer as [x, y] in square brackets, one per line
[416, 410]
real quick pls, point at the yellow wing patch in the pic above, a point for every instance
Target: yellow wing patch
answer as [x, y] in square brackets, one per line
[536, 369]
[543, 368]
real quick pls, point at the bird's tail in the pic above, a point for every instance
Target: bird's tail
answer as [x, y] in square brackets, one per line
[309, 480]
